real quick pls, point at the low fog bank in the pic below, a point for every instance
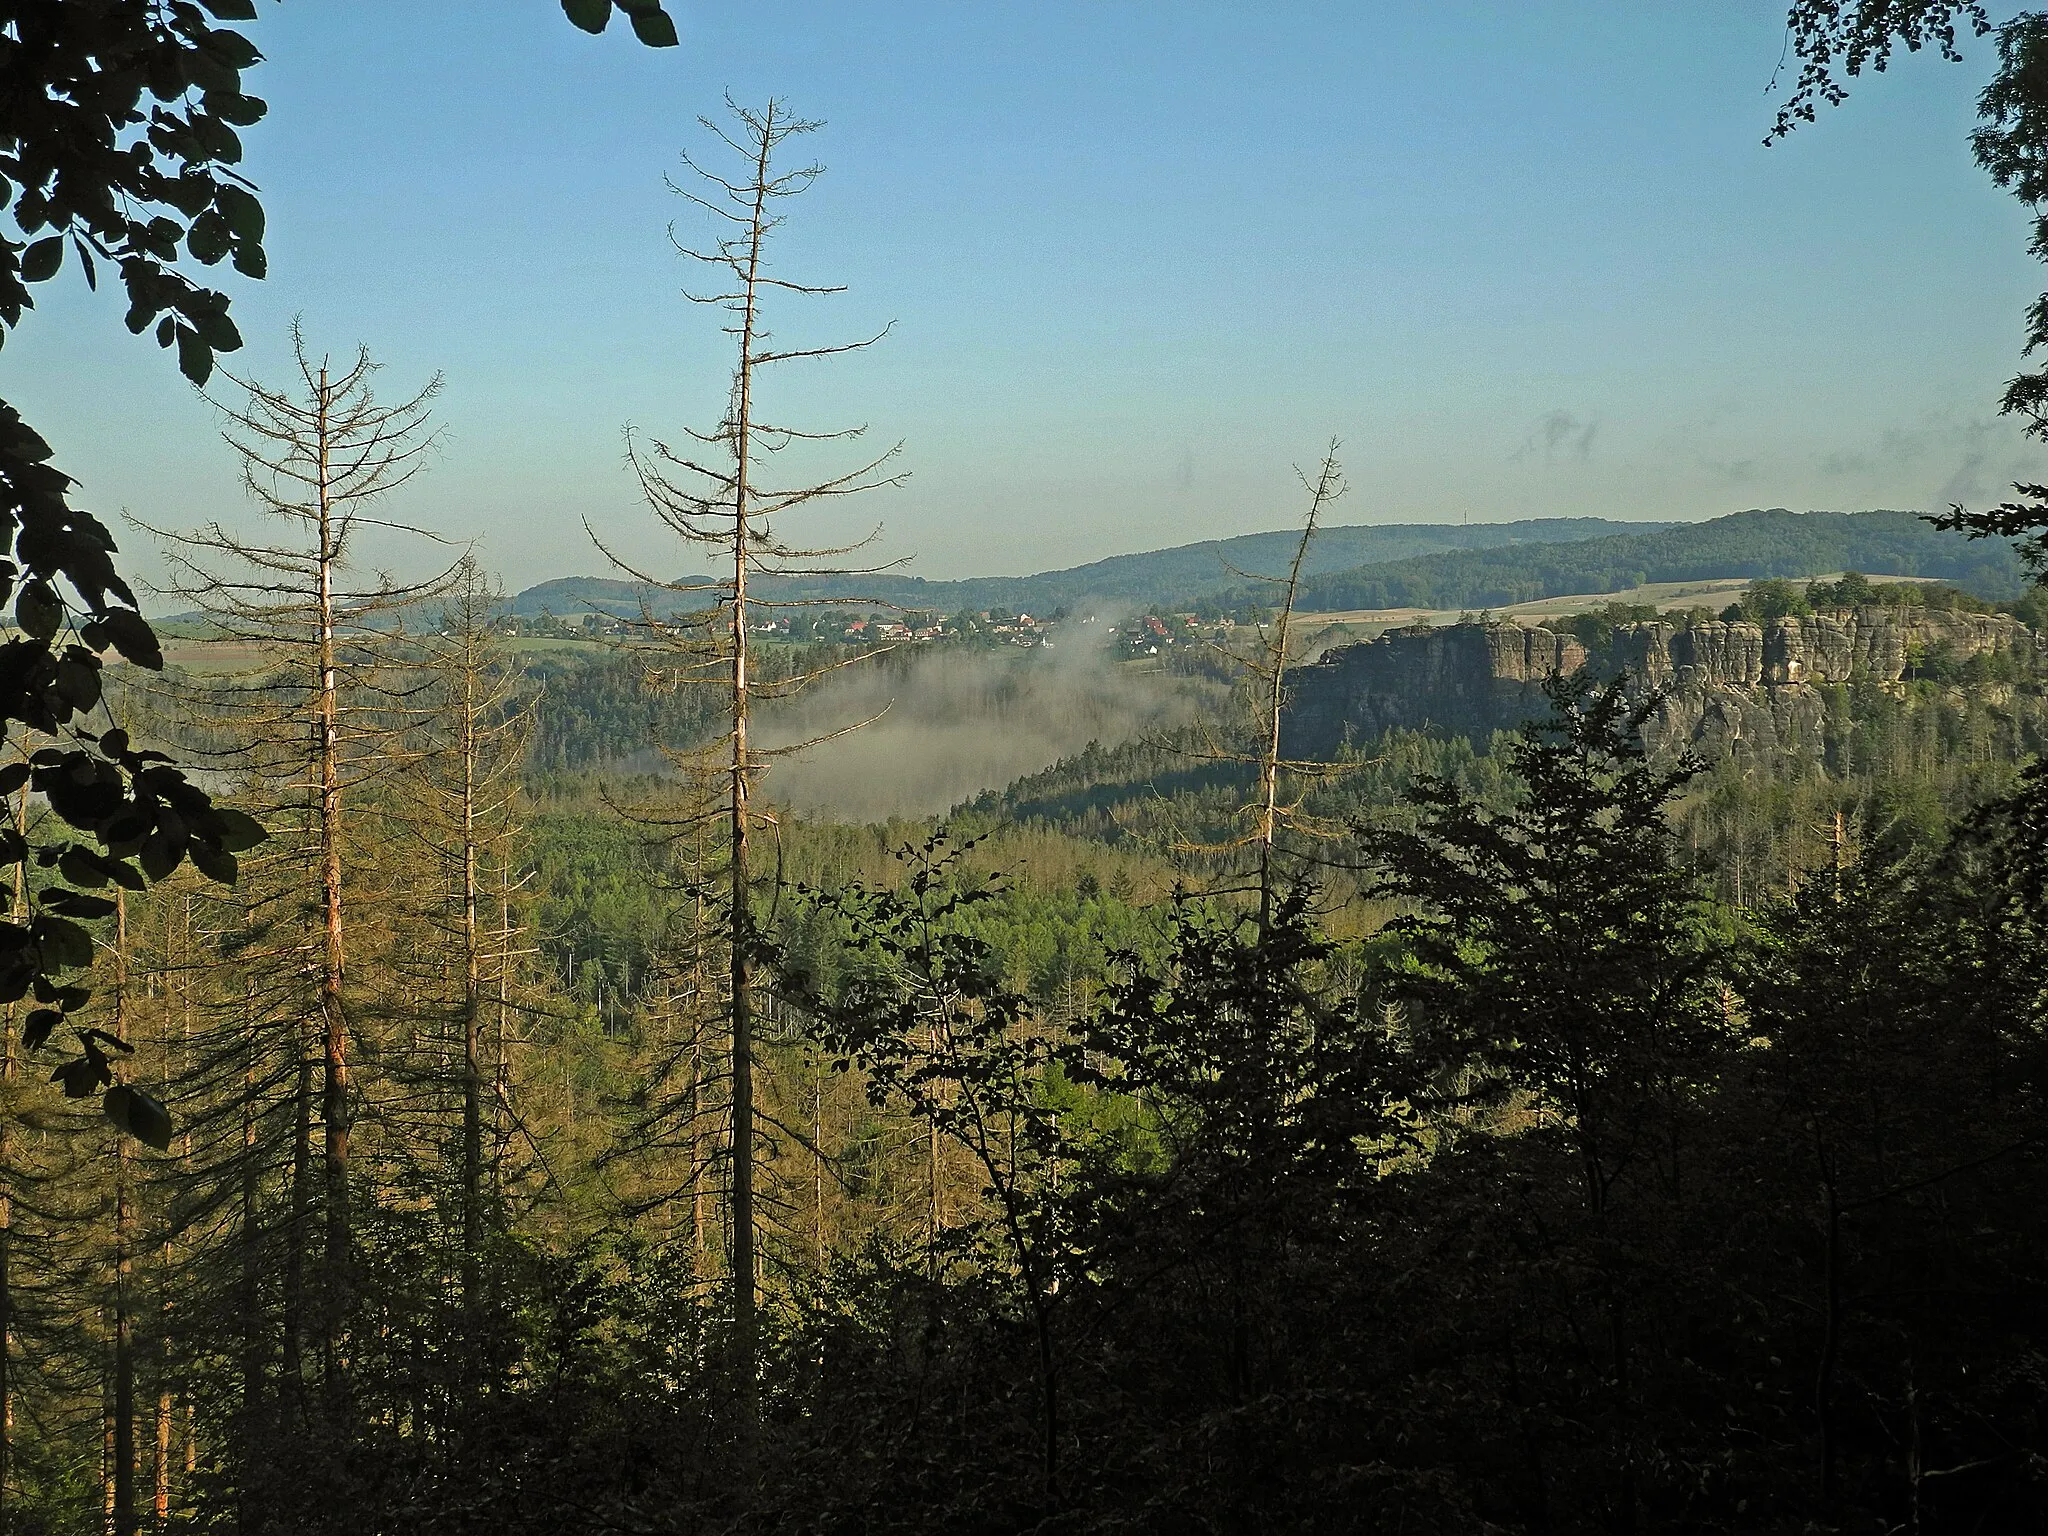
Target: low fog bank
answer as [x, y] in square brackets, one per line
[960, 722]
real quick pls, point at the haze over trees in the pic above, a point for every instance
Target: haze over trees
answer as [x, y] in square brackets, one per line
[472, 1126]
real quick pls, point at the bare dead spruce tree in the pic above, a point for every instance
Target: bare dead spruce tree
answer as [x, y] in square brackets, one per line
[720, 494]
[460, 831]
[315, 693]
[1262, 666]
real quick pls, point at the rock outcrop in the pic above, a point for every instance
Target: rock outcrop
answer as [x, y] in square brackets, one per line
[1727, 687]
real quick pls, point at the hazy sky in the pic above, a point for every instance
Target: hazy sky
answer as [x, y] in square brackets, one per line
[1524, 258]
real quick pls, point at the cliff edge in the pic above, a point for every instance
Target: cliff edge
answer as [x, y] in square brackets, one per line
[1728, 687]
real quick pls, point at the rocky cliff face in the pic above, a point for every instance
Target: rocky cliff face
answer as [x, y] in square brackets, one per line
[1728, 687]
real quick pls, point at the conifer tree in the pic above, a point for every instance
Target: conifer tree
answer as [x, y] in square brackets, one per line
[461, 815]
[317, 455]
[719, 495]
[1262, 669]
[1561, 943]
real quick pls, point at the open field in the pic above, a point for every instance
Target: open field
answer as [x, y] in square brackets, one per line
[223, 656]
[1328, 629]
[214, 656]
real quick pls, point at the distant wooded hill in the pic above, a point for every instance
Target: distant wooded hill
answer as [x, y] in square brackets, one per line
[1746, 544]
[1419, 565]
[1181, 576]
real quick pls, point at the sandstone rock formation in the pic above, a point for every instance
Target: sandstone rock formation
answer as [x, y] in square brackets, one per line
[1727, 687]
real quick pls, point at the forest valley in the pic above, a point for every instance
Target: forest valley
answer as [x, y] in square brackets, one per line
[1551, 1138]
[462, 1078]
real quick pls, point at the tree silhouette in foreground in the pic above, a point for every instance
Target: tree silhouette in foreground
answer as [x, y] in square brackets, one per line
[1561, 947]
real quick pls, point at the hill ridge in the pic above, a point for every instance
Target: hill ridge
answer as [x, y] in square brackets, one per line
[1415, 565]
[1175, 572]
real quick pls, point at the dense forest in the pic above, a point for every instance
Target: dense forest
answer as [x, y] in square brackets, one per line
[1775, 543]
[1576, 1139]
[447, 1088]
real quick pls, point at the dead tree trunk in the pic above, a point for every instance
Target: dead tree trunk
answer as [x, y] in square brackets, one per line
[729, 508]
[327, 768]
[466, 776]
[124, 1522]
[1263, 668]
[314, 455]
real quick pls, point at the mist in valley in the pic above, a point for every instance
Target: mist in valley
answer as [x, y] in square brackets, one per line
[954, 722]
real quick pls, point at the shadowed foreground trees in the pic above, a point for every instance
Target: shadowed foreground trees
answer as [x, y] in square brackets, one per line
[1562, 1199]
[1560, 952]
[1516, 1218]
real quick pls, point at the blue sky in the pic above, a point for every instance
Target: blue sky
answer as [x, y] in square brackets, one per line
[1523, 258]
